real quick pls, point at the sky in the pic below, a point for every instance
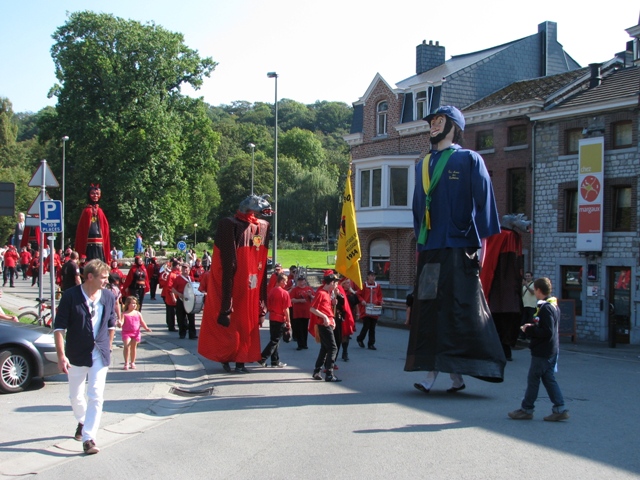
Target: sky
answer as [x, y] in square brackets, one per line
[328, 50]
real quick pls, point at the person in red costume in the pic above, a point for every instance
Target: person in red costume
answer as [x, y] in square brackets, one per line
[116, 271]
[236, 300]
[196, 271]
[137, 282]
[273, 280]
[92, 234]
[370, 294]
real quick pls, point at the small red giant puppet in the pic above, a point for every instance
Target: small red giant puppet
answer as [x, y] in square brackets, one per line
[501, 278]
[92, 234]
[236, 300]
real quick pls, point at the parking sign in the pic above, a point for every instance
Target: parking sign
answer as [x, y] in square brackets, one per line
[51, 216]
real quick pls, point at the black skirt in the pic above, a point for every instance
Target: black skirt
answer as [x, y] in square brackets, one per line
[451, 326]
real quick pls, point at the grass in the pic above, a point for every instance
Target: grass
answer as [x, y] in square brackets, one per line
[286, 257]
[305, 258]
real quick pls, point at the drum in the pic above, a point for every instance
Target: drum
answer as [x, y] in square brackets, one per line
[373, 310]
[193, 298]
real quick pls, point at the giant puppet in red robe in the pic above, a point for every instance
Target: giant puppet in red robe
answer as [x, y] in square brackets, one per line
[30, 238]
[236, 300]
[92, 234]
[501, 278]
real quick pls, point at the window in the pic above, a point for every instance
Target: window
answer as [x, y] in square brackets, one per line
[484, 140]
[380, 259]
[517, 135]
[398, 186]
[622, 209]
[572, 285]
[371, 187]
[421, 105]
[571, 210]
[517, 190]
[622, 137]
[424, 101]
[383, 108]
[572, 137]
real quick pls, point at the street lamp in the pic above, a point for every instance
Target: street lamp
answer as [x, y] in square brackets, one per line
[252, 146]
[65, 139]
[275, 176]
[195, 235]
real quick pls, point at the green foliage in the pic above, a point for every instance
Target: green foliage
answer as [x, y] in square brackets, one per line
[302, 145]
[8, 128]
[166, 161]
[130, 128]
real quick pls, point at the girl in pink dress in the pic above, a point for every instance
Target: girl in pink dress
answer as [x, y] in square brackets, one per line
[131, 322]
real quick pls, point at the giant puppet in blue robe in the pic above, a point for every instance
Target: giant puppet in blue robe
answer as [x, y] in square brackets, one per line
[451, 325]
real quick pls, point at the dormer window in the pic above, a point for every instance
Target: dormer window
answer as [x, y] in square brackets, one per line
[382, 110]
[423, 103]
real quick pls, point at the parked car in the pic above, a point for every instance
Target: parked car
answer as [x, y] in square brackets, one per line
[26, 351]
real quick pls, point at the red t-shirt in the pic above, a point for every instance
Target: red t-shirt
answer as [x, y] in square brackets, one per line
[322, 303]
[179, 283]
[168, 286]
[278, 302]
[300, 309]
[25, 258]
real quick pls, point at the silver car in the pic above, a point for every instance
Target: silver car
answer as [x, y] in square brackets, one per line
[26, 351]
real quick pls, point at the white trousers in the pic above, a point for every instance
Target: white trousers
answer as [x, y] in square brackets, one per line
[88, 411]
[432, 375]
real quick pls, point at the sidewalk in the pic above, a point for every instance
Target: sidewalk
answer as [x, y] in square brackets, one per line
[37, 425]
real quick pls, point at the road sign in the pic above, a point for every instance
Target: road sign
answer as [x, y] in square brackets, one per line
[181, 245]
[34, 209]
[49, 177]
[51, 216]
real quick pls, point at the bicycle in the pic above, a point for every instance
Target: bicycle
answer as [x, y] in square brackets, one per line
[42, 319]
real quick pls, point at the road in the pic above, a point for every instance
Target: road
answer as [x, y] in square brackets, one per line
[279, 423]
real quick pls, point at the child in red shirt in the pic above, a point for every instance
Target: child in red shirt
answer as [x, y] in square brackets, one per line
[322, 319]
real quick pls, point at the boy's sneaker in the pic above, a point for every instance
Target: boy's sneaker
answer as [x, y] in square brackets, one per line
[317, 376]
[520, 415]
[90, 448]
[557, 416]
[78, 435]
[262, 362]
[278, 365]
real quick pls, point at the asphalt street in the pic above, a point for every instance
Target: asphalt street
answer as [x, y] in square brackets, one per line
[181, 415]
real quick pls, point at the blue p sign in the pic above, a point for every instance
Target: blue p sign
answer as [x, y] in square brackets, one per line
[51, 216]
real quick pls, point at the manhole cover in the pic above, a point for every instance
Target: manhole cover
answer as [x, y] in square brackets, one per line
[191, 393]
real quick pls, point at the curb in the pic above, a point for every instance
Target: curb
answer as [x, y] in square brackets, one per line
[191, 384]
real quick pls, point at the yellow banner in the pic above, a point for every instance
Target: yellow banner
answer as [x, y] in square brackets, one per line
[348, 254]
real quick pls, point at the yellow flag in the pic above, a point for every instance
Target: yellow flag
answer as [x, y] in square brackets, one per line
[348, 254]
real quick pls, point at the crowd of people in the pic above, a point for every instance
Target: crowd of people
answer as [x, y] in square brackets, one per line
[454, 213]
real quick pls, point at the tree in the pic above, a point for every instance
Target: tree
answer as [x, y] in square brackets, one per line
[292, 114]
[332, 116]
[8, 128]
[130, 128]
[302, 145]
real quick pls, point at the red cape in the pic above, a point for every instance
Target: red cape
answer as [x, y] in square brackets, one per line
[129, 280]
[236, 286]
[82, 232]
[30, 234]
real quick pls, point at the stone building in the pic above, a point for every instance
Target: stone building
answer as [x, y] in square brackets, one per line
[574, 201]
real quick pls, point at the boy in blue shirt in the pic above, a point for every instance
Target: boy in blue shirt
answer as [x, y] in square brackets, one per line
[544, 347]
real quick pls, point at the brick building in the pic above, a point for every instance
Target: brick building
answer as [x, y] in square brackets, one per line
[388, 137]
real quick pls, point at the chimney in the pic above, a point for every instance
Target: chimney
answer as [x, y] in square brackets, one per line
[428, 56]
[596, 78]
